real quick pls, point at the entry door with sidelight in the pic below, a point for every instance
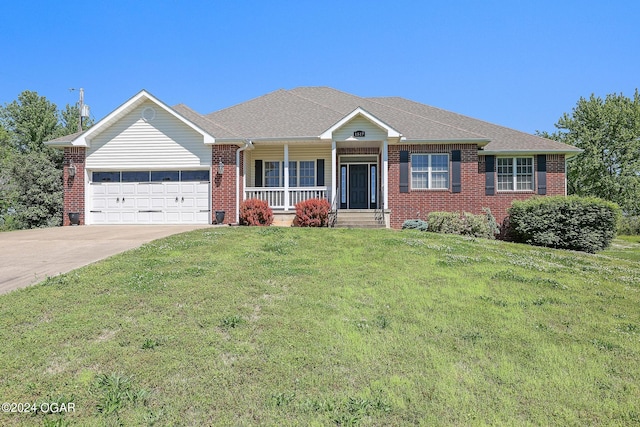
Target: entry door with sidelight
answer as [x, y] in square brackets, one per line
[358, 186]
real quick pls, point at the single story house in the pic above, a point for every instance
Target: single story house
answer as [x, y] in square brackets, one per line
[388, 157]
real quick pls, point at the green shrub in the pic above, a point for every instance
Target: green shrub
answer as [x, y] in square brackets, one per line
[445, 222]
[255, 212]
[415, 224]
[312, 213]
[629, 225]
[465, 223]
[578, 223]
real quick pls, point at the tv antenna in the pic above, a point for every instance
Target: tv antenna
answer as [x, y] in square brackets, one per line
[82, 108]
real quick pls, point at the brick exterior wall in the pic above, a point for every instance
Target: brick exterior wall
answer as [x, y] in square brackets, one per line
[223, 187]
[472, 198]
[73, 186]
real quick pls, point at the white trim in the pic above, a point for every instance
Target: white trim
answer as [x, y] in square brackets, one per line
[430, 171]
[480, 142]
[391, 132]
[385, 173]
[285, 176]
[334, 178]
[247, 145]
[514, 174]
[526, 153]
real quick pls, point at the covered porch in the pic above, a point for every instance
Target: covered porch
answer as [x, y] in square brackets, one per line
[349, 175]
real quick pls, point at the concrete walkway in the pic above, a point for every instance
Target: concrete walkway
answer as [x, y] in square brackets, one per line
[30, 256]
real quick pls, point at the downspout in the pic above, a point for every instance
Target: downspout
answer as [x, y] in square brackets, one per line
[247, 145]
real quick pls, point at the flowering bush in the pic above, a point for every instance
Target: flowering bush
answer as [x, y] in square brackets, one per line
[312, 213]
[255, 212]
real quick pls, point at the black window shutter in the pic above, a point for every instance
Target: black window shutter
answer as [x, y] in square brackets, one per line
[320, 173]
[404, 171]
[258, 173]
[456, 175]
[490, 169]
[542, 174]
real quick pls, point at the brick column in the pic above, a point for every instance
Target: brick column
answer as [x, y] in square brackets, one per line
[223, 187]
[74, 190]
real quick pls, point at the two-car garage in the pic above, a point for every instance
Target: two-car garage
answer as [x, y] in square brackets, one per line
[145, 163]
[149, 197]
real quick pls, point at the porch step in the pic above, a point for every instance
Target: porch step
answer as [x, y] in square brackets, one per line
[357, 219]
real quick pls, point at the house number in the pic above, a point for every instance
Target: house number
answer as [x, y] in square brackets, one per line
[358, 133]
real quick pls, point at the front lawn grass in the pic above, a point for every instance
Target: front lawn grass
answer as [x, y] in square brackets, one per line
[277, 326]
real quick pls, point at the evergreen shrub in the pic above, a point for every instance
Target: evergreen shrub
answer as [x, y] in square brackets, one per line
[578, 223]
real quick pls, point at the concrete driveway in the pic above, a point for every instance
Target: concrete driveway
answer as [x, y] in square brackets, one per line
[30, 256]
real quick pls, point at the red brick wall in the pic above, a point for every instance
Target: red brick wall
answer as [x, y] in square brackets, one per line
[223, 187]
[472, 198]
[73, 186]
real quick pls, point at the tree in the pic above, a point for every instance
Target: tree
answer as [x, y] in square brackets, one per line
[609, 133]
[30, 120]
[30, 172]
[37, 181]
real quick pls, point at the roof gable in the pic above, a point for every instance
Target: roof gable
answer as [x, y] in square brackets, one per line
[84, 139]
[360, 112]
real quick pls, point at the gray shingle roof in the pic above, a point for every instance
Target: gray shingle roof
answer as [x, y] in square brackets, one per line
[502, 138]
[202, 122]
[309, 111]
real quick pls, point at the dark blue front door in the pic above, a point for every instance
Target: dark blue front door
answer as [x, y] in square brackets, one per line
[358, 187]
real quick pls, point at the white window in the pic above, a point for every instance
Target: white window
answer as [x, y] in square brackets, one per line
[301, 174]
[271, 174]
[429, 171]
[307, 173]
[515, 173]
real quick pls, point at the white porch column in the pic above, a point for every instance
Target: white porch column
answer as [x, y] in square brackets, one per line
[286, 177]
[385, 173]
[334, 183]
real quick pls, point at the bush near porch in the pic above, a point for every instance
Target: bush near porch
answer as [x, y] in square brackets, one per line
[255, 212]
[312, 213]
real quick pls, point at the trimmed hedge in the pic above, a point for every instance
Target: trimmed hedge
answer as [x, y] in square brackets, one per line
[312, 213]
[464, 223]
[255, 212]
[415, 224]
[578, 223]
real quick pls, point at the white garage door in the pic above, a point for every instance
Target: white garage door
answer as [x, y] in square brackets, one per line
[150, 197]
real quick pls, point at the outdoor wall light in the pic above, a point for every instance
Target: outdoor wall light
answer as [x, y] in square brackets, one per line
[220, 168]
[72, 170]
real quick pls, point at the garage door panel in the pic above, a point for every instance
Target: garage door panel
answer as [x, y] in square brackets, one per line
[112, 189]
[143, 203]
[143, 189]
[158, 202]
[156, 188]
[172, 188]
[157, 217]
[129, 189]
[129, 217]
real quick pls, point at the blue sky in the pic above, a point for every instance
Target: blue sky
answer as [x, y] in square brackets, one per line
[520, 64]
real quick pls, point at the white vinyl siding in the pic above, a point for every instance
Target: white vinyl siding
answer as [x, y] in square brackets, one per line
[162, 143]
[372, 132]
[515, 173]
[429, 171]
